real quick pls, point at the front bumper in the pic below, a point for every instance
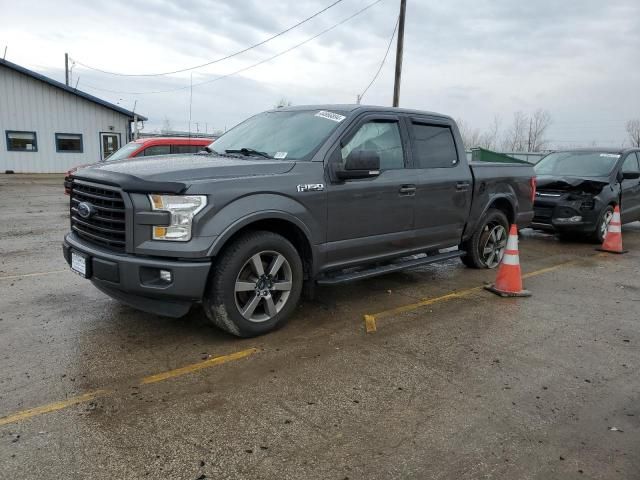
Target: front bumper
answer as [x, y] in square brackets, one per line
[133, 279]
[557, 218]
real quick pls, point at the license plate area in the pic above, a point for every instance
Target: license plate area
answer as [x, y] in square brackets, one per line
[81, 264]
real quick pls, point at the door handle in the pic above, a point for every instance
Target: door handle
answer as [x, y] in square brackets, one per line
[407, 190]
[462, 186]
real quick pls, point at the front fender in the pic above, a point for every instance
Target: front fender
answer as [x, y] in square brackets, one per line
[247, 210]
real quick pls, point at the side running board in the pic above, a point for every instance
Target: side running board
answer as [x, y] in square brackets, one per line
[396, 266]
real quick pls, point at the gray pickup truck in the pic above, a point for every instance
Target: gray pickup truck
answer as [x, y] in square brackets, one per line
[290, 198]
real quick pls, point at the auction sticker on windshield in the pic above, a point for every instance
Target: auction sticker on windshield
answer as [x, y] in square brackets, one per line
[280, 155]
[330, 116]
[610, 155]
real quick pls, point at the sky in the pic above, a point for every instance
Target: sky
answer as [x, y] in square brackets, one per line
[472, 59]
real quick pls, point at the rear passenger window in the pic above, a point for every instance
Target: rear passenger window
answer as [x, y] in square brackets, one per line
[187, 148]
[382, 138]
[157, 150]
[433, 146]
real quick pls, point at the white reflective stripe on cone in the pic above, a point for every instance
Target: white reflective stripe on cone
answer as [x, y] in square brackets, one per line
[512, 242]
[616, 217]
[511, 259]
[615, 229]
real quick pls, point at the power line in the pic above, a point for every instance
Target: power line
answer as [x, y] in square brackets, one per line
[239, 52]
[326, 30]
[361, 96]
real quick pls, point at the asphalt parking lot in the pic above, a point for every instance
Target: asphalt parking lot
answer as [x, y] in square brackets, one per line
[454, 383]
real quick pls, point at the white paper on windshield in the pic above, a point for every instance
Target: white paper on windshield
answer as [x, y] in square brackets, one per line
[335, 117]
[280, 155]
[610, 155]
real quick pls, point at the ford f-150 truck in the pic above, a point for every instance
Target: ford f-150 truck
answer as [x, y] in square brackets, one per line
[292, 197]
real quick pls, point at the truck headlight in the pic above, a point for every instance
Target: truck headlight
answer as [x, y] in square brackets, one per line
[182, 209]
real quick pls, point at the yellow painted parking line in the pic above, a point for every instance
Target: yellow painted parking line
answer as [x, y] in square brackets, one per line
[370, 319]
[52, 407]
[198, 366]
[36, 274]
[370, 323]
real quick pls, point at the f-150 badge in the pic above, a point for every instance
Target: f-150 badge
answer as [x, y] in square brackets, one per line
[311, 187]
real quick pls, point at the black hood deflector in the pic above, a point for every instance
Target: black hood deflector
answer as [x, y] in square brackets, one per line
[128, 183]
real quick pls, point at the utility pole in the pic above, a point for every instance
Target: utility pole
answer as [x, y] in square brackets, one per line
[399, 50]
[66, 69]
[135, 121]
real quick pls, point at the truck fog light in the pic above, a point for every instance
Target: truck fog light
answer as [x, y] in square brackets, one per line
[574, 219]
[165, 276]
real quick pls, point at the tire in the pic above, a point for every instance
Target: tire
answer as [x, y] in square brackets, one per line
[241, 302]
[603, 223]
[492, 232]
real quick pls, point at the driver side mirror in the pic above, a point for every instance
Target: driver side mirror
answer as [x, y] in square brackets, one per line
[360, 164]
[630, 175]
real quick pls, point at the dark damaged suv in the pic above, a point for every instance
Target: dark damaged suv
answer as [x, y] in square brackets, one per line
[578, 190]
[291, 197]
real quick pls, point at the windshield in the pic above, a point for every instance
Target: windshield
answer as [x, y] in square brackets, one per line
[279, 134]
[577, 164]
[124, 152]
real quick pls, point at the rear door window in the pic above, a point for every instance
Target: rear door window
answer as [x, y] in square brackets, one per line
[157, 150]
[433, 146]
[187, 148]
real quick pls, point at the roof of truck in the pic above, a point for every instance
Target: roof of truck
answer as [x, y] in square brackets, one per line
[353, 107]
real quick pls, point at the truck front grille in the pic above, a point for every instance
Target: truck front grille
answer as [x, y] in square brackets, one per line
[105, 224]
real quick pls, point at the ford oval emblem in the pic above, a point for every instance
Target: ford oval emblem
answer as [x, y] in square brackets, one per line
[85, 210]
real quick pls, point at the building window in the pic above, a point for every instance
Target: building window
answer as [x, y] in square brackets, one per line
[21, 141]
[68, 142]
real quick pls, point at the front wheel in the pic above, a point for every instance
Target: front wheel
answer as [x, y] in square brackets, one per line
[255, 284]
[486, 246]
[603, 225]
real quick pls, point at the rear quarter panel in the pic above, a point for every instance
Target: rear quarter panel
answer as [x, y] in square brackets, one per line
[498, 182]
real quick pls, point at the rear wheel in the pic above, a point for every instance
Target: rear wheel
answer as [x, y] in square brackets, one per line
[255, 284]
[486, 246]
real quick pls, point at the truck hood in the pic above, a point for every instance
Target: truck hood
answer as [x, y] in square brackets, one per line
[173, 173]
[177, 168]
[593, 185]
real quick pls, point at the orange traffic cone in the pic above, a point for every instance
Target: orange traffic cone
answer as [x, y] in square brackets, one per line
[509, 278]
[613, 238]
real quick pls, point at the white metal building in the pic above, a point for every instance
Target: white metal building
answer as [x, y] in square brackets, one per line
[49, 127]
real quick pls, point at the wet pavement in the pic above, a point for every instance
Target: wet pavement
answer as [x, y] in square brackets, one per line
[472, 386]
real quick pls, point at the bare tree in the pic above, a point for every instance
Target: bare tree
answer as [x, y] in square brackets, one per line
[166, 126]
[489, 139]
[283, 102]
[633, 129]
[515, 139]
[470, 136]
[539, 122]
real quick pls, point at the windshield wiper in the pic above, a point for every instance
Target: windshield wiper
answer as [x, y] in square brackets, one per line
[249, 151]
